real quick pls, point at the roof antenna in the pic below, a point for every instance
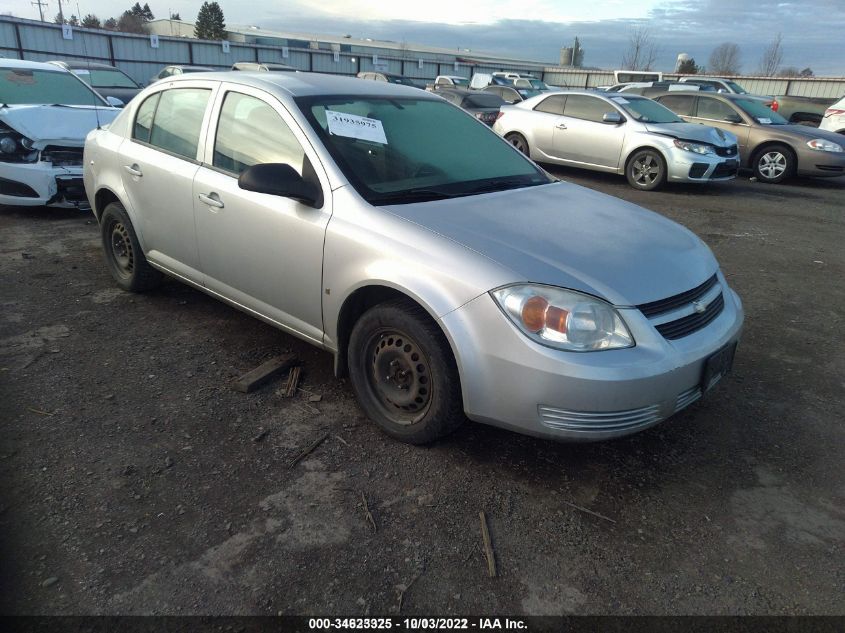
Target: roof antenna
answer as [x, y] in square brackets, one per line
[88, 62]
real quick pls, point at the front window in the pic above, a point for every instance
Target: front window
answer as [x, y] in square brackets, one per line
[29, 86]
[401, 150]
[736, 88]
[760, 112]
[646, 110]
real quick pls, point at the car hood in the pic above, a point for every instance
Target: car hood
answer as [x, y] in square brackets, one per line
[56, 124]
[694, 132]
[566, 235]
[807, 132]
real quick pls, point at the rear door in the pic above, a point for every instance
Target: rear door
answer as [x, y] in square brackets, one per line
[582, 137]
[263, 252]
[159, 162]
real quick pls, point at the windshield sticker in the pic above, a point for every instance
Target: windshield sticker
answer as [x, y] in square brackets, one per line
[621, 100]
[764, 120]
[353, 126]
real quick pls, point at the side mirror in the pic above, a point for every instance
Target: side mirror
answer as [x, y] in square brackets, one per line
[280, 179]
[612, 117]
[115, 102]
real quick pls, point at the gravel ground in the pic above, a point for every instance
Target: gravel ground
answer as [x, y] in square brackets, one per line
[135, 480]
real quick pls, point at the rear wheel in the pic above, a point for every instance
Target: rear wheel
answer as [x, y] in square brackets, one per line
[404, 374]
[646, 170]
[123, 254]
[519, 142]
[773, 164]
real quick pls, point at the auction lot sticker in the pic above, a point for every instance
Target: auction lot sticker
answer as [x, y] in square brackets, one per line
[353, 126]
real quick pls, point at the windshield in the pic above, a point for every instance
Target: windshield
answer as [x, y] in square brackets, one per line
[760, 112]
[400, 150]
[646, 110]
[736, 88]
[34, 86]
[104, 78]
[483, 101]
[538, 85]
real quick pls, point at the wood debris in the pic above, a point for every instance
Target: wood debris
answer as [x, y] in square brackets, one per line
[252, 380]
[308, 450]
[369, 514]
[488, 545]
[595, 514]
[292, 382]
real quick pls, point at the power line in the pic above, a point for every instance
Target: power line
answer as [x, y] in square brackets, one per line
[41, 6]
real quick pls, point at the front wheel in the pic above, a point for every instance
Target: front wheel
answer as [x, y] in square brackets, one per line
[404, 374]
[646, 170]
[519, 142]
[773, 164]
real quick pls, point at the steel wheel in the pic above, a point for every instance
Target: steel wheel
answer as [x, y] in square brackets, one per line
[122, 253]
[399, 376]
[519, 142]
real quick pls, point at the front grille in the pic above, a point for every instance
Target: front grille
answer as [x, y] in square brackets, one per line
[62, 156]
[723, 170]
[693, 322]
[654, 308]
[727, 151]
[697, 170]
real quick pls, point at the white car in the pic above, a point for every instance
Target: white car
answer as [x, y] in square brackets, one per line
[45, 114]
[834, 117]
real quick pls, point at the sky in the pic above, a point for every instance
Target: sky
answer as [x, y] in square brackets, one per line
[536, 29]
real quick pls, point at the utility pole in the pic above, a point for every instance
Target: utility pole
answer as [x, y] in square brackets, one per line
[61, 15]
[40, 6]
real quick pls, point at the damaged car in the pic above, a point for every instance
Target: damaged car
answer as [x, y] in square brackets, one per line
[45, 114]
[629, 135]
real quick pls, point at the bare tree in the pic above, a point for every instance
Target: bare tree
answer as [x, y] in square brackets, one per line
[724, 60]
[772, 57]
[642, 50]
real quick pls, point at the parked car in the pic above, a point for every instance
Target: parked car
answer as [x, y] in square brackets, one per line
[628, 135]
[263, 67]
[834, 118]
[355, 218]
[768, 143]
[807, 111]
[109, 81]
[450, 81]
[649, 88]
[482, 105]
[45, 113]
[175, 71]
[388, 78]
[728, 86]
[512, 94]
[480, 81]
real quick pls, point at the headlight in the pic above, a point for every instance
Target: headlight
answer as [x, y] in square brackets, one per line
[563, 319]
[823, 145]
[14, 147]
[697, 148]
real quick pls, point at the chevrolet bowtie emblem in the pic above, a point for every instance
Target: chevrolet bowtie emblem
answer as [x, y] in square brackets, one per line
[699, 307]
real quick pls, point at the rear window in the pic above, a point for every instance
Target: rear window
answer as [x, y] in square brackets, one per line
[552, 105]
[679, 104]
[178, 120]
[483, 101]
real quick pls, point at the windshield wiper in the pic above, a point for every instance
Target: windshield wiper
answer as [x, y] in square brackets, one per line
[414, 195]
[502, 184]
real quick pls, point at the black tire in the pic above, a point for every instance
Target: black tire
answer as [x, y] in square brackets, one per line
[404, 374]
[518, 141]
[773, 164]
[646, 170]
[124, 257]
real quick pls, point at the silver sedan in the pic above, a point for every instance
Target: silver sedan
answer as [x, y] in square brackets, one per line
[619, 133]
[358, 217]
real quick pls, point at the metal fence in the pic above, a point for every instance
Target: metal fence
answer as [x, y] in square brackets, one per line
[136, 56]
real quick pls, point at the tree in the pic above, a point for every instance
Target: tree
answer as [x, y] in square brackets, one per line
[772, 57]
[59, 19]
[688, 67]
[130, 23]
[724, 60]
[175, 16]
[110, 24]
[91, 21]
[210, 23]
[642, 50]
[789, 71]
[74, 21]
[806, 72]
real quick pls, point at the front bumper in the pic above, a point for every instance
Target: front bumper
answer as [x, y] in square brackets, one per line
[816, 163]
[41, 184]
[684, 166]
[513, 382]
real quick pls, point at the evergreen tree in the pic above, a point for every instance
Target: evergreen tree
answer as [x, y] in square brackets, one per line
[130, 23]
[58, 19]
[148, 13]
[74, 21]
[210, 23]
[110, 24]
[688, 67]
[91, 21]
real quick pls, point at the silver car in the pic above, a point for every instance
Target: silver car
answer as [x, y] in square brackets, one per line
[619, 133]
[358, 217]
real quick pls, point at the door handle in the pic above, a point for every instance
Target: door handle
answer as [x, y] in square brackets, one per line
[561, 126]
[133, 169]
[211, 199]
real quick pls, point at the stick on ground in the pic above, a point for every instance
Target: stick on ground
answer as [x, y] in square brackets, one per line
[595, 514]
[488, 545]
[308, 450]
[404, 591]
[368, 514]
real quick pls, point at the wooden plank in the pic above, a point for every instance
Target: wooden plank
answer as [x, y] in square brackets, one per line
[252, 380]
[488, 546]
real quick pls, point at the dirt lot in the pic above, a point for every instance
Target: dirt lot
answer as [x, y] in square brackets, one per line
[135, 480]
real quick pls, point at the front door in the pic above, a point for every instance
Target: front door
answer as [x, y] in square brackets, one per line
[581, 137]
[261, 251]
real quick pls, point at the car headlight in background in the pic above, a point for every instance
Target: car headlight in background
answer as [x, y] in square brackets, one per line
[823, 145]
[696, 148]
[563, 319]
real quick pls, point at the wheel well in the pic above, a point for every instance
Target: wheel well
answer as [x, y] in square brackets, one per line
[763, 146]
[637, 149]
[103, 198]
[357, 304]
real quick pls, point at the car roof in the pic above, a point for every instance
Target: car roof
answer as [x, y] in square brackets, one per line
[23, 63]
[306, 84]
[80, 65]
[722, 96]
